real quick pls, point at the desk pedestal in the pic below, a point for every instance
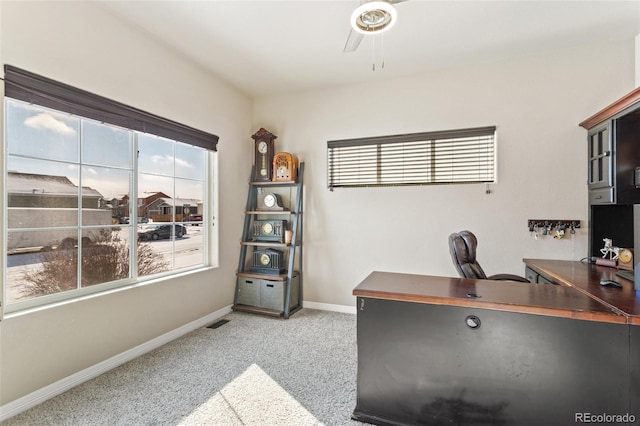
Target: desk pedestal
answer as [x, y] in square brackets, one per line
[421, 363]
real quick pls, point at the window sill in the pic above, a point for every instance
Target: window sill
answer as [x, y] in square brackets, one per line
[9, 314]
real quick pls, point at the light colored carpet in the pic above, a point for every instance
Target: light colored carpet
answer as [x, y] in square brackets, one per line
[253, 370]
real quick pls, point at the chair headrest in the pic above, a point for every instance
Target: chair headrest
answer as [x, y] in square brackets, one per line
[462, 247]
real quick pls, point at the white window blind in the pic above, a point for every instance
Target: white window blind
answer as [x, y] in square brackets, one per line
[454, 156]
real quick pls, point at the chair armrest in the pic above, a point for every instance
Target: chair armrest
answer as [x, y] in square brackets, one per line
[508, 277]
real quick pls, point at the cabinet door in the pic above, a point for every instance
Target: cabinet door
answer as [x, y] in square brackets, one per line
[600, 157]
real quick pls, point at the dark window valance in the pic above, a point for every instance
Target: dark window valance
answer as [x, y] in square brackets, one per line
[33, 88]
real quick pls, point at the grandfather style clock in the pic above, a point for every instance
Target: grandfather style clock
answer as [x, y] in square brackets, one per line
[263, 155]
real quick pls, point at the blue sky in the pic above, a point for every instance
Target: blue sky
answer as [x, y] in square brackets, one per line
[36, 136]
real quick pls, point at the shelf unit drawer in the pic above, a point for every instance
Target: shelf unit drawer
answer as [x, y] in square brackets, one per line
[249, 291]
[267, 294]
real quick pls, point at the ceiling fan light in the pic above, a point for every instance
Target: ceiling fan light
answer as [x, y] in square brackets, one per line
[373, 17]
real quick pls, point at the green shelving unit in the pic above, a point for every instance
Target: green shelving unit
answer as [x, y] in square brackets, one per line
[276, 293]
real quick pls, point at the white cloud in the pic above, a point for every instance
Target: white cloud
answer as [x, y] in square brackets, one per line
[164, 160]
[167, 160]
[183, 163]
[46, 121]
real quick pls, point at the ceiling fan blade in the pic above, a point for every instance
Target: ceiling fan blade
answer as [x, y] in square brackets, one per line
[353, 41]
[396, 1]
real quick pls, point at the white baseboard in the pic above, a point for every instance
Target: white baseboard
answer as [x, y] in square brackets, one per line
[330, 307]
[34, 398]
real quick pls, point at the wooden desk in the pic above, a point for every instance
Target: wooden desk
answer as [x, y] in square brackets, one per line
[585, 278]
[556, 301]
[518, 354]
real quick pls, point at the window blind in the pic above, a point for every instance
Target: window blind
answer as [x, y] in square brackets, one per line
[455, 156]
[29, 87]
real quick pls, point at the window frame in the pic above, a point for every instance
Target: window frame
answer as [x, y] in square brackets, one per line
[49, 94]
[368, 169]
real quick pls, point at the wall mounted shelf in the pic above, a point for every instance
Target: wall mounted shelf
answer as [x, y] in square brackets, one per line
[554, 223]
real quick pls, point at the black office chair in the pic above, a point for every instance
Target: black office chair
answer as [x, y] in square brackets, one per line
[462, 247]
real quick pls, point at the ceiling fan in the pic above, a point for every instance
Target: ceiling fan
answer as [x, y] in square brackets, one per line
[370, 17]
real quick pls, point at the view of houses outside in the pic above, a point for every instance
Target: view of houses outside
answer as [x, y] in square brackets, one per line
[69, 184]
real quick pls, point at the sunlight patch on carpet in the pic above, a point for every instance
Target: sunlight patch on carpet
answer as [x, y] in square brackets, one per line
[252, 398]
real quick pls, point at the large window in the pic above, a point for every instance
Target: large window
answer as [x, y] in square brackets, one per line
[456, 156]
[92, 205]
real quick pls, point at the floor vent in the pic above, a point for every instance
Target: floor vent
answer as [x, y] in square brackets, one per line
[218, 324]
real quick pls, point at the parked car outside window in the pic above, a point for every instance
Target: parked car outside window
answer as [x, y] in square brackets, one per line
[196, 219]
[157, 232]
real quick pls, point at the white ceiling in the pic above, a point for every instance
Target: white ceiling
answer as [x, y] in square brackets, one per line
[267, 47]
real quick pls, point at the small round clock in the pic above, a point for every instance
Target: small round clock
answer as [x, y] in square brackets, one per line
[265, 259]
[272, 201]
[625, 259]
[267, 228]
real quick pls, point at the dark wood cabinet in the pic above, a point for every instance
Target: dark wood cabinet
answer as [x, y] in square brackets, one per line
[614, 155]
[613, 136]
[627, 156]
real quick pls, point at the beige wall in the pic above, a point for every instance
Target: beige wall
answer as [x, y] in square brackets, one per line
[536, 102]
[79, 44]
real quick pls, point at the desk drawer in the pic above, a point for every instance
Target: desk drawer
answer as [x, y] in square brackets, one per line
[531, 275]
[537, 278]
[543, 280]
